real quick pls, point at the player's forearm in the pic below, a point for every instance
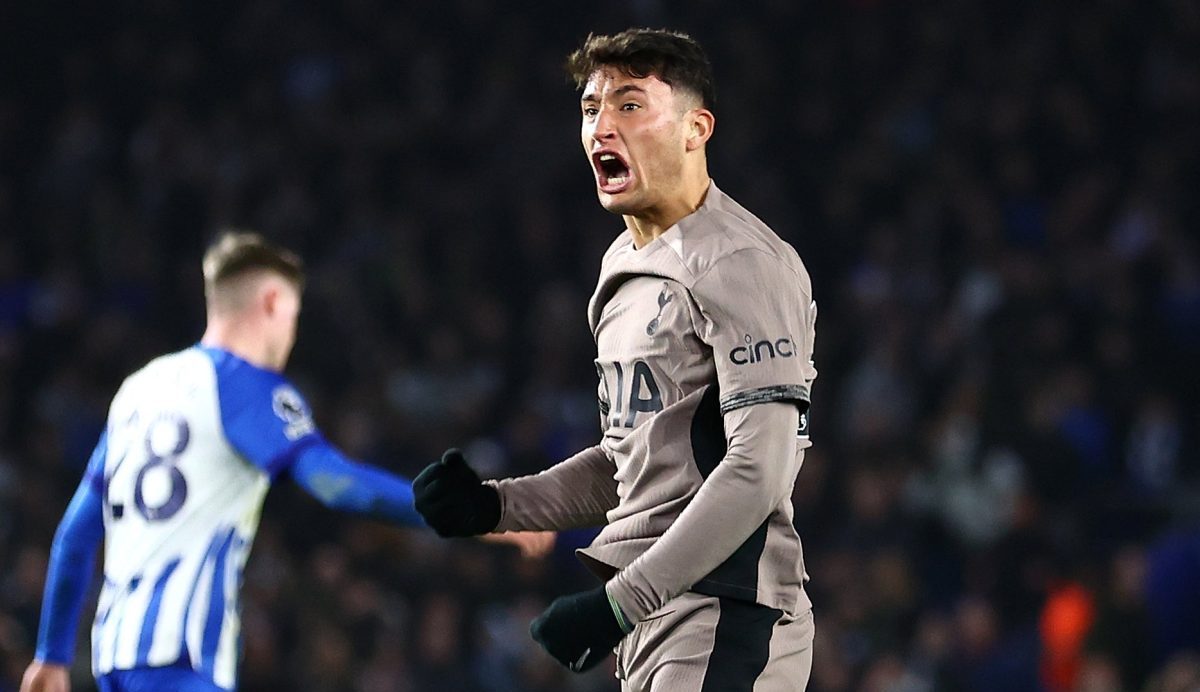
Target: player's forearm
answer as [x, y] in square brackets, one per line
[757, 473]
[574, 493]
[348, 486]
[72, 562]
[382, 495]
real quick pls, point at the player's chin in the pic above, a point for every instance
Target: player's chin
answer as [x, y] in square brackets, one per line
[618, 203]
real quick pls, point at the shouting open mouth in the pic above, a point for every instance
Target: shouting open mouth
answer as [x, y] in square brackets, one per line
[613, 174]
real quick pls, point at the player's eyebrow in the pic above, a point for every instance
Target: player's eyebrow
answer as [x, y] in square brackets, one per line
[619, 91]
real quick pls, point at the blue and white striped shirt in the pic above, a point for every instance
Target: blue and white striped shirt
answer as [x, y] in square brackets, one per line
[176, 487]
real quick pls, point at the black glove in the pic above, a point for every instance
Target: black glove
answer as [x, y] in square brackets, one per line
[579, 630]
[452, 499]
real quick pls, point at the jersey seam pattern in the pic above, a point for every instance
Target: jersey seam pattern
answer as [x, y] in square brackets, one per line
[779, 392]
[724, 588]
[771, 255]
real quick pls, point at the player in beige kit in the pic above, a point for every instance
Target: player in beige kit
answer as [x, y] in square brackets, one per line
[704, 325]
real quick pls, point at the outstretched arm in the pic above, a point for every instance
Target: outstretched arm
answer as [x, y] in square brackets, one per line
[350, 486]
[574, 493]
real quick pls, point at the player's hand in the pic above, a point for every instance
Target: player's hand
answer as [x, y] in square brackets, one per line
[579, 630]
[452, 499]
[532, 544]
[46, 677]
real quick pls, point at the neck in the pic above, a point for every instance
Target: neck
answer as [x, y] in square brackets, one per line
[650, 223]
[240, 337]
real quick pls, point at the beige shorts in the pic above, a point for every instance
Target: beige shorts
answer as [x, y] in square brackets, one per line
[699, 643]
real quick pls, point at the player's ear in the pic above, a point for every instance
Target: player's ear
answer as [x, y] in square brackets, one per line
[268, 298]
[700, 123]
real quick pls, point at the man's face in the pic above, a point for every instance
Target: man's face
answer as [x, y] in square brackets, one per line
[633, 134]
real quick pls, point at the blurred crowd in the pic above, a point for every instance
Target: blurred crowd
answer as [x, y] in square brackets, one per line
[992, 200]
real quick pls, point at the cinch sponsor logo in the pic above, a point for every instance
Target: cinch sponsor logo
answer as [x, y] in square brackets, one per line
[756, 352]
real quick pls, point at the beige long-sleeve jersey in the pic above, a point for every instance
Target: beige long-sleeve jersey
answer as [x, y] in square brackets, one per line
[704, 353]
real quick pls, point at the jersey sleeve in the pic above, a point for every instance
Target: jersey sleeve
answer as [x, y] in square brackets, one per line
[72, 563]
[351, 486]
[758, 316]
[699, 548]
[577, 492]
[263, 416]
[93, 473]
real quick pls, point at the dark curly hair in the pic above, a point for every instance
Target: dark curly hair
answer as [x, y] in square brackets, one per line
[673, 57]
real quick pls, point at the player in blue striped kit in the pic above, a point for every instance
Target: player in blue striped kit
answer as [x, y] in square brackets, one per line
[176, 485]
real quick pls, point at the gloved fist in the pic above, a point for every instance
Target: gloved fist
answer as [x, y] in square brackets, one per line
[579, 630]
[452, 499]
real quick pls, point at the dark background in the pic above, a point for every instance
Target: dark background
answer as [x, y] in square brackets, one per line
[997, 203]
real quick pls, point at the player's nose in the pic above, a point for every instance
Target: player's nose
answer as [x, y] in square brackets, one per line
[604, 127]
